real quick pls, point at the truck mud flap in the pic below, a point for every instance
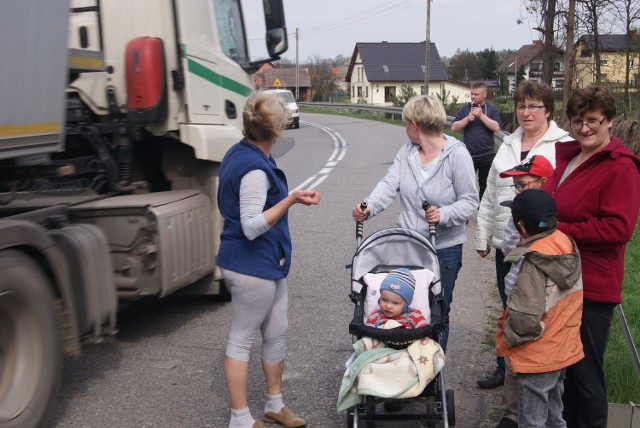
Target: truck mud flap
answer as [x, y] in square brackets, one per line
[87, 254]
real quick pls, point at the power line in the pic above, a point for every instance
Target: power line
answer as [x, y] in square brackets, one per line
[350, 22]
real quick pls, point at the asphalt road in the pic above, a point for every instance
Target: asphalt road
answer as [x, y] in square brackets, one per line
[165, 367]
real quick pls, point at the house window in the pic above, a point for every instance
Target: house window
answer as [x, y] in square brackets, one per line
[556, 66]
[559, 83]
[389, 94]
[366, 92]
[631, 63]
[359, 91]
[603, 76]
[422, 90]
[385, 68]
[604, 62]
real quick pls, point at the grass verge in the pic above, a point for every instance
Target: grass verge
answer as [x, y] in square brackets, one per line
[623, 384]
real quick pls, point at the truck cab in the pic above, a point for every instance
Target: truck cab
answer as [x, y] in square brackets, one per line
[114, 117]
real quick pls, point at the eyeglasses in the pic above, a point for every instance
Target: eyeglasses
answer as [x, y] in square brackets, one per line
[519, 187]
[531, 107]
[592, 123]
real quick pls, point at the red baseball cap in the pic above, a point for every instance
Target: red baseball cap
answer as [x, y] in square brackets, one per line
[536, 165]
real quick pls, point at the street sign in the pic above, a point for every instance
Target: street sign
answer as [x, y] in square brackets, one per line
[277, 83]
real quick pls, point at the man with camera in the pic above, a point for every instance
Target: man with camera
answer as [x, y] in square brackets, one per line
[478, 120]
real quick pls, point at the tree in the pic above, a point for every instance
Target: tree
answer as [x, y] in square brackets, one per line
[547, 15]
[464, 66]
[341, 60]
[488, 62]
[629, 12]
[443, 95]
[520, 76]
[406, 92]
[504, 83]
[548, 49]
[591, 14]
[569, 53]
[320, 75]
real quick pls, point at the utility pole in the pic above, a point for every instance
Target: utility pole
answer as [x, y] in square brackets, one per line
[427, 59]
[297, 66]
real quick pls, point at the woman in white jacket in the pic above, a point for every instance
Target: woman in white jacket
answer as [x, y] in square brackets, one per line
[536, 135]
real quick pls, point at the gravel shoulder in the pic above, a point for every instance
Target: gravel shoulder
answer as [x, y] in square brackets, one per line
[474, 310]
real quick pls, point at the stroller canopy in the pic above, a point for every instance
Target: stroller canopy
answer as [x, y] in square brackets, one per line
[391, 248]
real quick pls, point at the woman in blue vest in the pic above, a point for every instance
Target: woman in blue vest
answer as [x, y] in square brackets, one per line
[255, 256]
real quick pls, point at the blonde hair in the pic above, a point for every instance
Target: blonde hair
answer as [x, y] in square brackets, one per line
[426, 111]
[264, 116]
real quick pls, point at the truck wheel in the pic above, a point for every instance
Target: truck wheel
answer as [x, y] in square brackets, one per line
[30, 353]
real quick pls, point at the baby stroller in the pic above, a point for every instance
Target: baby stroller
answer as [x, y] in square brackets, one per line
[381, 252]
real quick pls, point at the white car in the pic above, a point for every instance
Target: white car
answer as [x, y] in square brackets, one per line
[290, 101]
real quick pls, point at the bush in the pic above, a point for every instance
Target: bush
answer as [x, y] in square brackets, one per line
[629, 133]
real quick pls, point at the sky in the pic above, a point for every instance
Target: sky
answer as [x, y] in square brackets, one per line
[328, 28]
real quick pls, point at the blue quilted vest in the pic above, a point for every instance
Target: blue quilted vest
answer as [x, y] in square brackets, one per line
[269, 255]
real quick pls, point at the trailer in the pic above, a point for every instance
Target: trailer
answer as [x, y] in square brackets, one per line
[114, 118]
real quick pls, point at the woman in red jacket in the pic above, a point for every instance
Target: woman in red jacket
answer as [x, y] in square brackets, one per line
[596, 186]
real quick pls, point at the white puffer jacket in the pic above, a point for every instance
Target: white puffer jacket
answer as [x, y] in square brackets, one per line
[492, 217]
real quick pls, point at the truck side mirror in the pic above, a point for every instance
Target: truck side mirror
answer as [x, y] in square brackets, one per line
[276, 36]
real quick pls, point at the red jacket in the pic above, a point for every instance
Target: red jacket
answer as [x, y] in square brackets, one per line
[598, 206]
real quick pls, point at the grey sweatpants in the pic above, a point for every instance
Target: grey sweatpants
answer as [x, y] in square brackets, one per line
[257, 304]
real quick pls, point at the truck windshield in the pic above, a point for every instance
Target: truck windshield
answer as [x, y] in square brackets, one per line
[231, 29]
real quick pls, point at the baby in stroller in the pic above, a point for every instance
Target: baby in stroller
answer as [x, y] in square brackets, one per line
[396, 294]
[395, 282]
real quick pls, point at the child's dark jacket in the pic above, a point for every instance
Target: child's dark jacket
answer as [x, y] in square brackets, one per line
[539, 331]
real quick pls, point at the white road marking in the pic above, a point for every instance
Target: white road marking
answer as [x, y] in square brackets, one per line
[339, 151]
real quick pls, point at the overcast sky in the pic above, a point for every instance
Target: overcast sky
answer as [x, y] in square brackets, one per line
[332, 27]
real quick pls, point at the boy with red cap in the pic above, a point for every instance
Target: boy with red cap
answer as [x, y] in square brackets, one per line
[533, 173]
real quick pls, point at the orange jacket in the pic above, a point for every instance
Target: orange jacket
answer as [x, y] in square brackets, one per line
[539, 331]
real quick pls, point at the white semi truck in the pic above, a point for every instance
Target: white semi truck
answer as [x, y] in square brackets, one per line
[114, 117]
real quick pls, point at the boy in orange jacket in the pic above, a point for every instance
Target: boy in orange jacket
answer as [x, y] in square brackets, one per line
[539, 331]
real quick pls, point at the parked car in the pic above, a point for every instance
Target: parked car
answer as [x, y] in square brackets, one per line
[289, 99]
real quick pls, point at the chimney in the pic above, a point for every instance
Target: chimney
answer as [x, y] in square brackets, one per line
[633, 33]
[537, 42]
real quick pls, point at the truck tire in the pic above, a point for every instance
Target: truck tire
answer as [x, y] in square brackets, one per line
[30, 352]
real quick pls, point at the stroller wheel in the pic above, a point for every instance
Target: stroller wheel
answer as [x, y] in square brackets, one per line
[451, 408]
[350, 418]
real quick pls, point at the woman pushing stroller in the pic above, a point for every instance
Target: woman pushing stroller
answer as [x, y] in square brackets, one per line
[435, 168]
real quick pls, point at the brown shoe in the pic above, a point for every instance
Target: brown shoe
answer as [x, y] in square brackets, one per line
[286, 418]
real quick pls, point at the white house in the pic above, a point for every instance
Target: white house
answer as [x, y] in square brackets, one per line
[528, 59]
[378, 71]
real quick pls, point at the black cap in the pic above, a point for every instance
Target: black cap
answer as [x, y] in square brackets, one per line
[534, 206]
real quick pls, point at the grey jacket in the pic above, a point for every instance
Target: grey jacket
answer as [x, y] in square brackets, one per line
[451, 187]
